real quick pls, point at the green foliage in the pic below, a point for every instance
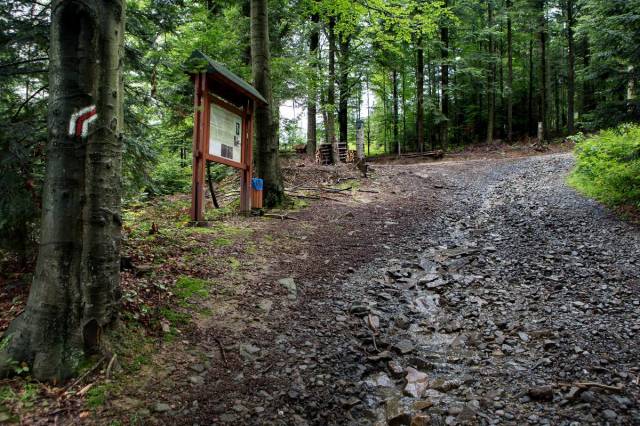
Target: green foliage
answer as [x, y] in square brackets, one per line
[97, 396]
[170, 176]
[188, 287]
[608, 166]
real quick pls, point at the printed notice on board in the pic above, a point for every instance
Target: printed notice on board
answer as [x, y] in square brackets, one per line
[224, 134]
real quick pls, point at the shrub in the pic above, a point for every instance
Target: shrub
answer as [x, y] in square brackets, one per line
[608, 166]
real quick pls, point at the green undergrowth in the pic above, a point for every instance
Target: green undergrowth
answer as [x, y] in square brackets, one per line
[608, 166]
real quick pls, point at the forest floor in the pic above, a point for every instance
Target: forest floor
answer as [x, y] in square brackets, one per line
[457, 292]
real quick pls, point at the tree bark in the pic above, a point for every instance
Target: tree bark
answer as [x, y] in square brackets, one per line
[530, 91]
[444, 76]
[571, 71]
[491, 79]
[266, 128]
[544, 101]
[314, 43]
[331, 92]
[420, 96]
[74, 294]
[510, 73]
[343, 84]
[396, 140]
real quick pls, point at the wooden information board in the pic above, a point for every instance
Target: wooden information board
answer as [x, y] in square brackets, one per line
[222, 127]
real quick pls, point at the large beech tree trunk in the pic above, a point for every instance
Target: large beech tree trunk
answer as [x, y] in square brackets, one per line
[74, 295]
[266, 128]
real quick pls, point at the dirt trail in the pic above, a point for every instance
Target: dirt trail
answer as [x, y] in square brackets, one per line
[478, 292]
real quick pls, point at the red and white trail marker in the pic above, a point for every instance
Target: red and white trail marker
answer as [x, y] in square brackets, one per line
[80, 121]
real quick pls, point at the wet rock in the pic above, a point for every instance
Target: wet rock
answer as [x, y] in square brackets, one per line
[359, 309]
[380, 379]
[290, 285]
[404, 346]
[249, 352]
[395, 369]
[609, 415]
[422, 405]
[417, 383]
[420, 420]
[394, 413]
[161, 407]
[196, 380]
[265, 306]
[587, 396]
[541, 393]
[198, 368]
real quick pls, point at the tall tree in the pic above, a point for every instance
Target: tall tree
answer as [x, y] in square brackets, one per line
[314, 43]
[343, 84]
[420, 96]
[396, 116]
[266, 128]
[331, 92]
[491, 76]
[510, 72]
[543, 90]
[444, 83]
[73, 297]
[571, 67]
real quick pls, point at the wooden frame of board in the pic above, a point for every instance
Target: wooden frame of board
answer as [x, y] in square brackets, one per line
[218, 86]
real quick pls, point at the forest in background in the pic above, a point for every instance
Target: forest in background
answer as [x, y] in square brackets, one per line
[431, 74]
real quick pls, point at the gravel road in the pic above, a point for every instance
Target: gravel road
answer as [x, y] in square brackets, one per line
[497, 295]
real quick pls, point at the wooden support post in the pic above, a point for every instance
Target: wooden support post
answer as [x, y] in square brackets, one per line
[199, 146]
[245, 172]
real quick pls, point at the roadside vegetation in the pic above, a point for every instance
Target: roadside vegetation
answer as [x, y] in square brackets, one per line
[608, 166]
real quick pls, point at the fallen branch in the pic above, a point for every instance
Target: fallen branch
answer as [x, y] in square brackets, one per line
[110, 366]
[369, 191]
[279, 216]
[224, 355]
[81, 378]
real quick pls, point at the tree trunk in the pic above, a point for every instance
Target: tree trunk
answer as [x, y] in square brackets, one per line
[266, 128]
[571, 71]
[420, 97]
[314, 43]
[544, 107]
[444, 77]
[530, 91]
[74, 295]
[396, 140]
[491, 79]
[510, 73]
[343, 84]
[331, 92]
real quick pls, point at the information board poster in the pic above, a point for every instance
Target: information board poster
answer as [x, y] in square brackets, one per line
[224, 133]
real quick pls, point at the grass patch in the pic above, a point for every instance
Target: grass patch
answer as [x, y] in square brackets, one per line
[97, 396]
[188, 287]
[175, 318]
[222, 242]
[608, 166]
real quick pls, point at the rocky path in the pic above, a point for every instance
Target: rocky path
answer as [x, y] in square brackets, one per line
[493, 294]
